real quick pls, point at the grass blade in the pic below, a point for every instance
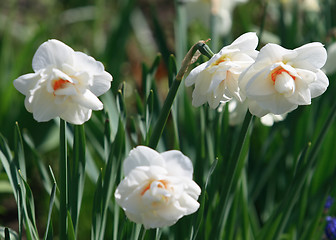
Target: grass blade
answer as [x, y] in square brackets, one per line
[78, 174]
[51, 204]
[63, 181]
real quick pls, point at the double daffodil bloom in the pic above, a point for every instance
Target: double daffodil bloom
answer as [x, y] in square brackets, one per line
[280, 79]
[65, 84]
[217, 79]
[158, 188]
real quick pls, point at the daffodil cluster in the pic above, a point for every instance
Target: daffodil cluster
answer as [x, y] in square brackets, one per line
[273, 81]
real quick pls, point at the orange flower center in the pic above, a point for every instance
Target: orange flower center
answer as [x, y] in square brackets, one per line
[220, 60]
[280, 71]
[164, 184]
[60, 83]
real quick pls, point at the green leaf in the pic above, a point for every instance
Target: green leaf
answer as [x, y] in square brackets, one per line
[28, 208]
[19, 158]
[51, 204]
[71, 232]
[47, 183]
[105, 185]
[7, 233]
[200, 215]
[63, 181]
[77, 178]
[236, 164]
[97, 209]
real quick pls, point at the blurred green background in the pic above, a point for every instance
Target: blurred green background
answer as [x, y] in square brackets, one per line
[127, 35]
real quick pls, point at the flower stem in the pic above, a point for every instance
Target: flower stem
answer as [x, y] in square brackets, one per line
[190, 58]
[236, 164]
[63, 181]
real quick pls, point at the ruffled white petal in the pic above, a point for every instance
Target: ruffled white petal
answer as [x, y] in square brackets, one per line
[273, 53]
[142, 156]
[275, 104]
[320, 85]
[101, 83]
[193, 75]
[43, 106]
[258, 83]
[88, 100]
[302, 94]
[178, 164]
[26, 82]
[313, 55]
[198, 97]
[246, 42]
[75, 114]
[256, 110]
[52, 53]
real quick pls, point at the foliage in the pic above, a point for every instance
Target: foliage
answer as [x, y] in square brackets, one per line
[257, 182]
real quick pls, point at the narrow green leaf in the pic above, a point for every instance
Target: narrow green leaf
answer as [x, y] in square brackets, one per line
[19, 158]
[11, 171]
[155, 64]
[172, 71]
[274, 228]
[149, 114]
[20, 210]
[29, 208]
[63, 181]
[97, 209]
[200, 214]
[121, 106]
[47, 183]
[110, 174]
[234, 169]
[138, 102]
[71, 232]
[110, 107]
[50, 235]
[76, 186]
[51, 204]
[7, 233]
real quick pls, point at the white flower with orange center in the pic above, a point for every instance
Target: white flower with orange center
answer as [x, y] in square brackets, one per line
[158, 188]
[217, 79]
[65, 84]
[280, 79]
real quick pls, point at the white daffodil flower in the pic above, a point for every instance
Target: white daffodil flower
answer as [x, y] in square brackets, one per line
[281, 79]
[158, 188]
[65, 84]
[217, 79]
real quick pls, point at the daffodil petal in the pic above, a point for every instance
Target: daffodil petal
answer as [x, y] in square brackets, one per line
[142, 156]
[26, 82]
[52, 52]
[320, 85]
[176, 158]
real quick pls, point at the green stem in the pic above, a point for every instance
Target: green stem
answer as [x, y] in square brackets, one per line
[63, 181]
[188, 59]
[236, 162]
